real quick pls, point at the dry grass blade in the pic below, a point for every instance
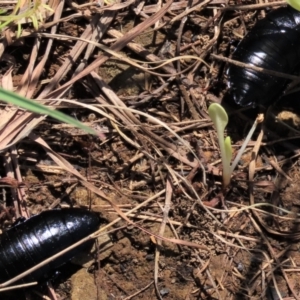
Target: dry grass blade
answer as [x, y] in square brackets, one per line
[251, 178]
[98, 32]
[166, 210]
[31, 77]
[251, 67]
[63, 70]
[172, 149]
[188, 11]
[15, 287]
[117, 46]
[25, 117]
[63, 163]
[137, 293]
[129, 36]
[7, 82]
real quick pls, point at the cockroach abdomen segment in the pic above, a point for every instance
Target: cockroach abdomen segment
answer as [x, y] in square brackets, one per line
[27, 244]
[272, 44]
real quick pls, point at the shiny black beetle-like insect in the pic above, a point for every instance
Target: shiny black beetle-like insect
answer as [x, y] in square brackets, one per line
[25, 245]
[273, 44]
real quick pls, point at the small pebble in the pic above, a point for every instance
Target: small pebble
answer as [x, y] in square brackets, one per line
[150, 257]
[240, 267]
[164, 291]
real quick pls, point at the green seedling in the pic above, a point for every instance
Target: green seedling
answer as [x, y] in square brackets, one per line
[36, 107]
[32, 10]
[294, 3]
[220, 119]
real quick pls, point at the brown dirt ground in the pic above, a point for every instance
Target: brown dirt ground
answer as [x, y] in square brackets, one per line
[251, 254]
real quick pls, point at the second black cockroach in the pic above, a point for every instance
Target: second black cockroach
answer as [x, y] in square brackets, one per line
[273, 44]
[29, 243]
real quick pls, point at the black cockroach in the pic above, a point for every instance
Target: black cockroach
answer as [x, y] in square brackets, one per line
[25, 245]
[273, 44]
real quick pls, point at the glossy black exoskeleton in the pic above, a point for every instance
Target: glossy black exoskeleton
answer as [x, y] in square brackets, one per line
[273, 44]
[25, 245]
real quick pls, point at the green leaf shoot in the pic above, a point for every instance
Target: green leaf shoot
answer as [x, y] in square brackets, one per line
[294, 3]
[220, 119]
[228, 148]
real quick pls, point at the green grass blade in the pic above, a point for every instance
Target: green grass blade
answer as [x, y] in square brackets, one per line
[35, 107]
